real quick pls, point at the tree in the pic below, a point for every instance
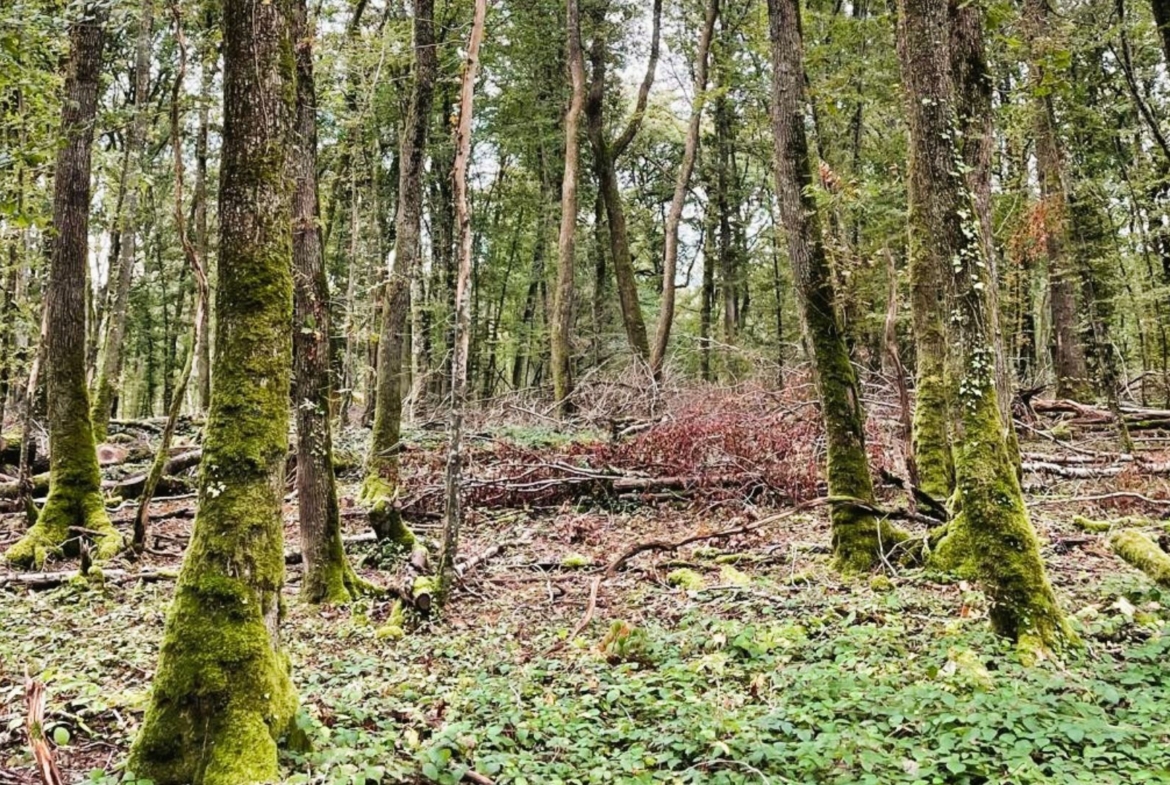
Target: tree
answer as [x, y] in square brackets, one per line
[991, 537]
[222, 695]
[454, 512]
[562, 310]
[328, 576]
[110, 372]
[380, 489]
[860, 540]
[606, 154]
[75, 498]
[678, 200]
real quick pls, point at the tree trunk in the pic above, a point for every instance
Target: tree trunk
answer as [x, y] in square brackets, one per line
[202, 239]
[605, 158]
[1161, 10]
[991, 538]
[328, 576]
[678, 200]
[110, 371]
[75, 498]
[860, 540]
[222, 695]
[454, 511]
[195, 263]
[380, 489]
[562, 309]
[1068, 354]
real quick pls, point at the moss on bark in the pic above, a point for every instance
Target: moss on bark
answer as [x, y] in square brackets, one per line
[1143, 553]
[222, 695]
[381, 495]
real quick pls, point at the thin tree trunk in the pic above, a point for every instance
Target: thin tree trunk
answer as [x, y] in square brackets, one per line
[452, 523]
[202, 347]
[678, 200]
[380, 489]
[195, 262]
[328, 576]
[222, 694]
[110, 372]
[860, 540]
[75, 498]
[991, 539]
[605, 158]
[562, 315]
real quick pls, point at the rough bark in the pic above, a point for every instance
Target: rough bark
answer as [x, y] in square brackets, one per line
[110, 371]
[222, 694]
[328, 576]
[202, 238]
[1068, 354]
[860, 540]
[452, 522]
[991, 538]
[1161, 9]
[678, 199]
[380, 489]
[75, 498]
[562, 309]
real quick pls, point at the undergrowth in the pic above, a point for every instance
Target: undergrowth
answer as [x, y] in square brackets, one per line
[751, 685]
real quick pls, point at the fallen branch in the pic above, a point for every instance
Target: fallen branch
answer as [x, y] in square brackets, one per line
[1143, 553]
[590, 607]
[34, 699]
[665, 545]
[49, 580]
[1101, 497]
[462, 569]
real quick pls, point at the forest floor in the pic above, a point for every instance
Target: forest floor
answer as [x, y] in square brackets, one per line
[764, 666]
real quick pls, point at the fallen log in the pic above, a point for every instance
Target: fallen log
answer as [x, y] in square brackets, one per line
[50, 580]
[1143, 553]
[1083, 472]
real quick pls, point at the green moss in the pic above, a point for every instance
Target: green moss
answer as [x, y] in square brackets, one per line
[1103, 527]
[395, 626]
[685, 578]
[729, 576]
[991, 539]
[576, 561]
[385, 518]
[933, 457]
[1062, 431]
[881, 584]
[1144, 554]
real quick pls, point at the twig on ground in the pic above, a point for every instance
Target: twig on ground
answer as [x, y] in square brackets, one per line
[581, 625]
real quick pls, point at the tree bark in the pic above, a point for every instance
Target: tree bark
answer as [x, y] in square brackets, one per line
[562, 309]
[109, 379]
[678, 200]
[74, 482]
[328, 576]
[222, 695]
[991, 539]
[1161, 10]
[860, 540]
[380, 488]
[605, 158]
[452, 522]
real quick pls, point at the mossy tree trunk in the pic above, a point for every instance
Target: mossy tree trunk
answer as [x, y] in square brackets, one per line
[562, 309]
[328, 576]
[991, 539]
[380, 489]
[109, 375]
[75, 498]
[859, 538]
[606, 154]
[222, 695]
[973, 87]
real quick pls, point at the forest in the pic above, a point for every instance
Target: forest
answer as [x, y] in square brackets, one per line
[567, 392]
